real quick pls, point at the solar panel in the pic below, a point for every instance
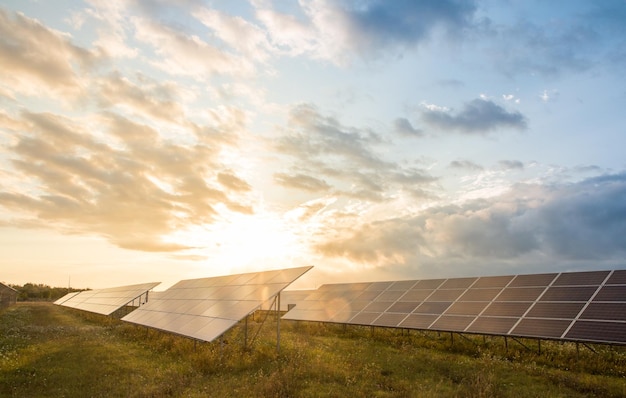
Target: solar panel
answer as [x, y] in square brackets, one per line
[205, 308]
[107, 301]
[576, 306]
[65, 298]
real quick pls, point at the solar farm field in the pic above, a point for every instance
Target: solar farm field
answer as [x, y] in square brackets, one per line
[47, 350]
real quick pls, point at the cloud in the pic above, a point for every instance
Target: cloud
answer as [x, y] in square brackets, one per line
[248, 39]
[404, 127]
[511, 165]
[301, 181]
[564, 42]
[125, 183]
[179, 53]
[567, 225]
[478, 116]
[148, 98]
[587, 220]
[110, 21]
[549, 95]
[34, 57]
[465, 165]
[451, 83]
[336, 31]
[232, 182]
[376, 243]
[342, 157]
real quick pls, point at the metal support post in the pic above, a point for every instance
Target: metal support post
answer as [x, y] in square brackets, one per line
[245, 341]
[278, 323]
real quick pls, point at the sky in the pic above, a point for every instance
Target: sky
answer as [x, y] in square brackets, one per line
[165, 140]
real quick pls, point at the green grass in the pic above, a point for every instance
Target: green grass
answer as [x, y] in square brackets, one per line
[51, 351]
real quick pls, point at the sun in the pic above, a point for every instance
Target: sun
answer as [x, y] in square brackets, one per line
[243, 242]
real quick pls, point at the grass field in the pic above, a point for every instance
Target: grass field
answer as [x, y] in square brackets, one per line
[51, 351]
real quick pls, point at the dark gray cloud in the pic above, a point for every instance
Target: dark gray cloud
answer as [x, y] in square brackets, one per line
[586, 220]
[561, 225]
[478, 116]
[511, 164]
[379, 23]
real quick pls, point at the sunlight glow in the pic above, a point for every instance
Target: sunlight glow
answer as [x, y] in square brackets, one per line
[241, 243]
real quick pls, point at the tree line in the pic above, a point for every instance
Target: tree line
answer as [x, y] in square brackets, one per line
[41, 292]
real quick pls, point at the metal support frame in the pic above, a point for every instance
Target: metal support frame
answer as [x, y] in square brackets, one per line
[466, 338]
[277, 300]
[276, 305]
[520, 343]
[245, 337]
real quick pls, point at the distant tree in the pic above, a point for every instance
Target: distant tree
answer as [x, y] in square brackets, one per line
[41, 292]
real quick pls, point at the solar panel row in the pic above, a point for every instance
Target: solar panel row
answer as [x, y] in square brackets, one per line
[205, 308]
[105, 301]
[577, 306]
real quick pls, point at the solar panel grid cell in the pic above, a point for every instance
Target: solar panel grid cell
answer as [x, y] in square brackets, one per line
[379, 286]
[492, 325]
[377, 306]
[389, 319]
[466, 308]
[429, 284]
[541, 328]
[402, 286]
[367, 295]
[365, 318]
[492, 281]
[598, 331]
[520, 294]
[435, 308]
[418, 321]
[555, 310]
[457, 283]
[445, 295]
[452, 323]
[389, 295]
[593, 278]
[574, 293]
[540, 280]
[599, 311]
[405, 307]
[342, 316]
[618, 277]
[417, 295]
[611, 293]
[476, 294]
